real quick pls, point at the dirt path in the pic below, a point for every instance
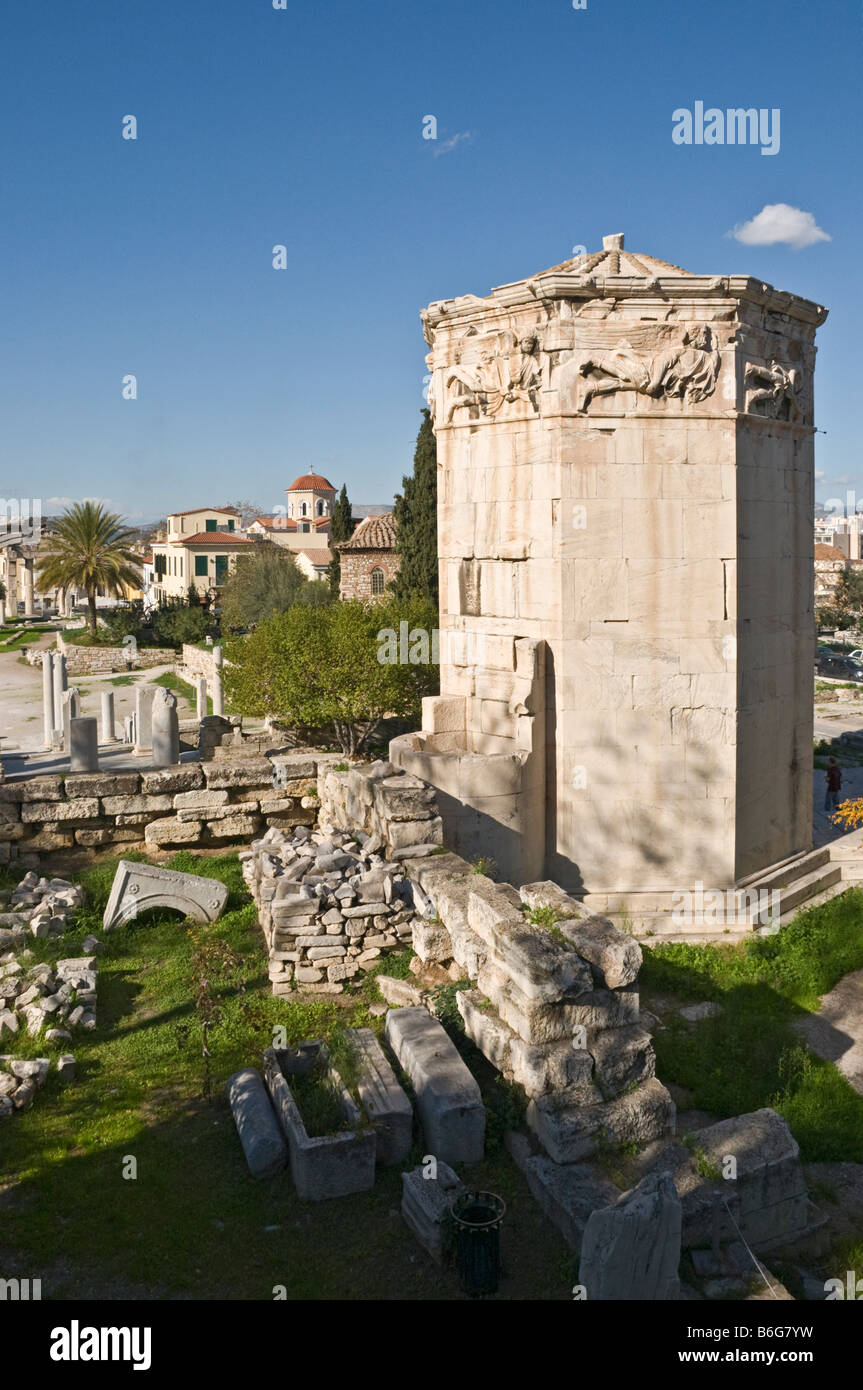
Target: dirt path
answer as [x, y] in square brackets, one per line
[836, 1031]
[21, 697]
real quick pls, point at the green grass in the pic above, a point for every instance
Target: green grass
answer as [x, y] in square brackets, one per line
[750, 1055]
[12, 641]
[122, 680]
[194, 1224]
[181, 687]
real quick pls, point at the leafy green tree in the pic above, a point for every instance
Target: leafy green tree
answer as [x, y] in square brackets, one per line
[315, 593]
[848, 599]
[264, 581]
[89, 549]
[341, 529]
[333, 667]
[176, 623]
[416, 519]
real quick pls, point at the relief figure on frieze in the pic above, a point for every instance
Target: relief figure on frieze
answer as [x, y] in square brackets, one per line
[687, 370]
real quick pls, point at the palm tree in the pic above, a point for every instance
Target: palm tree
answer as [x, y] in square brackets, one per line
[89, 549]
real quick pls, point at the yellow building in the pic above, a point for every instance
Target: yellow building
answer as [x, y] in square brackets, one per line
[198, 552]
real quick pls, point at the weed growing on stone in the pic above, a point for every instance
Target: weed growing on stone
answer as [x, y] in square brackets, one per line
[318, 1101]
[703, 1165]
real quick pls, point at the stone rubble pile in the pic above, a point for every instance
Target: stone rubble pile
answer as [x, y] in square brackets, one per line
[555, 1007]
[329, 903]
[40, 997]
[41, 906]
[21, 1077]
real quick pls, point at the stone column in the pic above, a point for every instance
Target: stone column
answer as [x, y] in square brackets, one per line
[218, 696]
[61, 682]
[48, 698]
[71, 710]
[106, 733]
[83, 745]
[166, 729]
[29, 610]
[68, 602]
[129, 729]
[144, 696]
[201, 687]
[2, 610]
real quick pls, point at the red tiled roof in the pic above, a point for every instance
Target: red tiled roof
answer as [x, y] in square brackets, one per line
[283, 523]
[213, 538]
[319, 555]
[310, 482]
[224, 511]
[373, 533]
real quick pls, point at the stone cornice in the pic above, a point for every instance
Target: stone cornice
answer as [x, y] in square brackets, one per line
[563, 285]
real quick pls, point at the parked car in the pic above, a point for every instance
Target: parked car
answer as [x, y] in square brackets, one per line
[824, 659]
[839, 667]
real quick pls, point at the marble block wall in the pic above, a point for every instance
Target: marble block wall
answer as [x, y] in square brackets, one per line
[625, 457]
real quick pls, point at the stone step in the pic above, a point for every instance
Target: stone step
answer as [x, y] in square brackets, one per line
[788, 870]
[732, 937]
[803, 889]
[834, 890]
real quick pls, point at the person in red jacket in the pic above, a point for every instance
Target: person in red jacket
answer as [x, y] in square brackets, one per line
[834, 786]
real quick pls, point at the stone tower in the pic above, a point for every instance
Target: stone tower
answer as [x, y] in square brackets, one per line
[625, 538]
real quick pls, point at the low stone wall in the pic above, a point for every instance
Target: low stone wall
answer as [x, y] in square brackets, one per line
[84, 660]
[197, 660]
[204, 805]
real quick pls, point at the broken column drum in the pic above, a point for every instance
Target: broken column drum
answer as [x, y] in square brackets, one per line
[165, 729]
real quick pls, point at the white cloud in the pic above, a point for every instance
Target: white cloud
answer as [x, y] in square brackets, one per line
[450, 144]
[779, 222]
[819, 474]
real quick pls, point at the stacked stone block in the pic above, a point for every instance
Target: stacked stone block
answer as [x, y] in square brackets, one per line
[555, 1008]
[398, 811]
[328, 906]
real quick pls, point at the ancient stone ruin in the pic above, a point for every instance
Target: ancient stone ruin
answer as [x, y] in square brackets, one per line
[625, 457]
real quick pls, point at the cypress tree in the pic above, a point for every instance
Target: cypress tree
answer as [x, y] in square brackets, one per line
[341, 529]
[416, 519]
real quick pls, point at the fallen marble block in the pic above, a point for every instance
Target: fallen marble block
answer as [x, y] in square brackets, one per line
[448, 1098]
[139, 887]
[382, 1098]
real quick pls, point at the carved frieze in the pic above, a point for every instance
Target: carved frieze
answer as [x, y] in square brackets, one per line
[774, 392]
[685, 369]
[496, 376]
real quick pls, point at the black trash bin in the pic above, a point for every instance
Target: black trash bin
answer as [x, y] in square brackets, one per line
[476, 1220]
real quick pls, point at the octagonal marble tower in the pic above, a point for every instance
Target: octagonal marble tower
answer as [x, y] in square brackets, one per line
[625, 458]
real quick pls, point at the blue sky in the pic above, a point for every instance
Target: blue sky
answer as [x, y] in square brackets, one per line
[304, 127]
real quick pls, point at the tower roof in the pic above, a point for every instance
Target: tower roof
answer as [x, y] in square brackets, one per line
[615, 274]
[310, 482]
[373, 533]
